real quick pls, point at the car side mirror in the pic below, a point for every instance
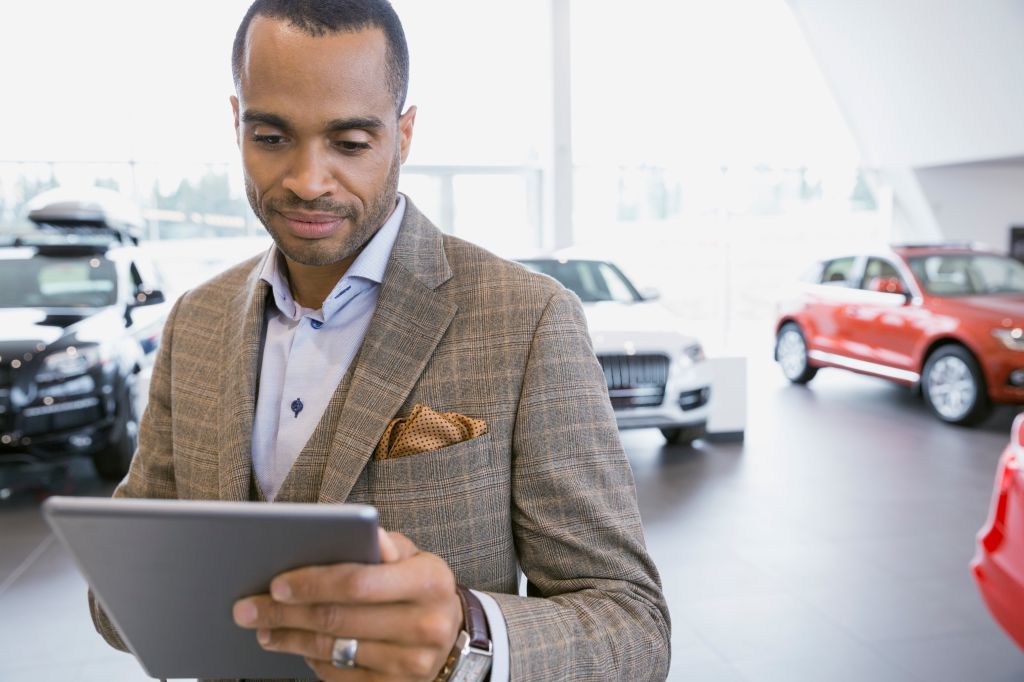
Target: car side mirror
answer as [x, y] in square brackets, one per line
[147, 296]
[649, 294]
[888, 285]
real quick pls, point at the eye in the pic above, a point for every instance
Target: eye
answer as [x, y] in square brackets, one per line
[268, 140]
[352, 146]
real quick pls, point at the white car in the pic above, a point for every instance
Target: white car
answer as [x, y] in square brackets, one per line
[657, 376]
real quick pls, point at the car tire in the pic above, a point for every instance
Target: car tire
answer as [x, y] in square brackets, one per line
[112, 462]
[683, 435]
[954, 387]
[791, 354]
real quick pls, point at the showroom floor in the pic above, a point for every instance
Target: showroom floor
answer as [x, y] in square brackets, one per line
[831, 546]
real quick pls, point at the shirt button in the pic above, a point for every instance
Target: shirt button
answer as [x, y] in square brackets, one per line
[316, 324]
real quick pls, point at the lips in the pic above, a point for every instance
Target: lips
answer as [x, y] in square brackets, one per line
[310, 225]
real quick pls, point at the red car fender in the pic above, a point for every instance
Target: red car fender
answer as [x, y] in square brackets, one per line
[998, 564]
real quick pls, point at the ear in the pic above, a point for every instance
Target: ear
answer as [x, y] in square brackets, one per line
[234, 110]
[406, 122]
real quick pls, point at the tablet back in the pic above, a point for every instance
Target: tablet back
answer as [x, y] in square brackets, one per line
[168, 572]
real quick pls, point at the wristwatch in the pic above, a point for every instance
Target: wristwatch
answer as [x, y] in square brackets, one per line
[470, 658]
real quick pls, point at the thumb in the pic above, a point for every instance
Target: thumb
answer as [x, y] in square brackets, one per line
[395, 546]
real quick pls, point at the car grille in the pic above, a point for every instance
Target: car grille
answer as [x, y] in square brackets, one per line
[43, 419]
[635, 380]
[38, 420]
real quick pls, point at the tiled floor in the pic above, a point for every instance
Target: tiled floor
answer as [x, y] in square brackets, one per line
[831, 546]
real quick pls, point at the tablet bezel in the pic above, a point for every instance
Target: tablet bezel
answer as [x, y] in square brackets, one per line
[214, 551]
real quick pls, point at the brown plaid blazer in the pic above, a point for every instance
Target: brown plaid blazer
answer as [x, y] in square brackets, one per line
[547, 488]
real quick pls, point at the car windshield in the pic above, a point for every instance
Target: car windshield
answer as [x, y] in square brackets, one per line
[965, 274]
[593, 281]
[57, 282]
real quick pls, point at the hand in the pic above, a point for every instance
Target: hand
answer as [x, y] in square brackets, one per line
[404, 612]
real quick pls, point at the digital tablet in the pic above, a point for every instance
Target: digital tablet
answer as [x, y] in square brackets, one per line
[168, 572]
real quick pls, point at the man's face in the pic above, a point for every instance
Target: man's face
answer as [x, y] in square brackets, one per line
[320, 139]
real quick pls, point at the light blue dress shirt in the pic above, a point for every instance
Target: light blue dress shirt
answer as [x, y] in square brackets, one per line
[306, 353]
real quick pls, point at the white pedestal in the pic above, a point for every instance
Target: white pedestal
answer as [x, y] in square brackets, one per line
[727, 413]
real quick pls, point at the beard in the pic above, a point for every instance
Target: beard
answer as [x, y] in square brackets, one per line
[361, 224]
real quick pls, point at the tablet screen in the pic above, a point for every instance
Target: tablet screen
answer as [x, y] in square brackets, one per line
[168, 572]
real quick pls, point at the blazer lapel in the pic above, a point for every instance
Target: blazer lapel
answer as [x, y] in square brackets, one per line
[243, 341]
[410, 320]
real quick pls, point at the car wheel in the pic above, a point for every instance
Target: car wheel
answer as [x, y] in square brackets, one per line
[954, 387]
[791, 352]
[683, 435]
[113, 460]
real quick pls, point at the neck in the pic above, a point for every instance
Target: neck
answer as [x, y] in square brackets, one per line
[310, 284]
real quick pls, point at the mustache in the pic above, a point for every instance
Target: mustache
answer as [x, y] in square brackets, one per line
[320, 205]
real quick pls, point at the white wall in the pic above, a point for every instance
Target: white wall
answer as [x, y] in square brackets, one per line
[977, 201]
[923, 82]
[932, 92]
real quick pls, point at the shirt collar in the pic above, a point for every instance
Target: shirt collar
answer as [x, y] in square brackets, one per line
[369, 265]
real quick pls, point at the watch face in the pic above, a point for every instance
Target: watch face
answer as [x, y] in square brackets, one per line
[473, 667]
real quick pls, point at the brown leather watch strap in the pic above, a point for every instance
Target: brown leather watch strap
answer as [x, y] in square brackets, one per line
[475, 617]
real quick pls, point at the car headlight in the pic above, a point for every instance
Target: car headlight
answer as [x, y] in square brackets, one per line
[691, 355]
[69, 362]
[695, 352]
[1011, 338]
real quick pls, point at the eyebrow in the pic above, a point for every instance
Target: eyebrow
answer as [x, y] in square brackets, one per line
[361, 122]
[336, 125]
[252, 116]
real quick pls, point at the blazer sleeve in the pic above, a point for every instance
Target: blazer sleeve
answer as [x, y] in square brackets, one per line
[594, 608]
[151, 474]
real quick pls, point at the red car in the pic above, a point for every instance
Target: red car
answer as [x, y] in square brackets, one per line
[947, 320]
[999, 563]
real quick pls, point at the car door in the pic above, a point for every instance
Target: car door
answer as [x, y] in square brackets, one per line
[882, 324]
[824, 303]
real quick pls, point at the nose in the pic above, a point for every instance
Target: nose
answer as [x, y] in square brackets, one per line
[310, 176]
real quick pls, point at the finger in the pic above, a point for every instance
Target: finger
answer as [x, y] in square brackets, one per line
[326, 672]
[422, 577]
[398, 623]
[373, 656]
[395, 546]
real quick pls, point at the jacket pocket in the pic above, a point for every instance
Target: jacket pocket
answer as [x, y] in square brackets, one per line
[455, 499]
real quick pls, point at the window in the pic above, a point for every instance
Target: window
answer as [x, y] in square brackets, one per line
[48, 282]
[880, 269]
[838, 272]
[965, 274]
[999, 275]
[592, 281]
[617, 288]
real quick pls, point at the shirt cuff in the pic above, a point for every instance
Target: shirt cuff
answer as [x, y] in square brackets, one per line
[499, 637]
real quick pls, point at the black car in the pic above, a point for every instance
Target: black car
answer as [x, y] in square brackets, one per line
[80, 317]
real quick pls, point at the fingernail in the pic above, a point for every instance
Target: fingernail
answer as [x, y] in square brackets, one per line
[281, 591]
[263, 636]
[245, 613]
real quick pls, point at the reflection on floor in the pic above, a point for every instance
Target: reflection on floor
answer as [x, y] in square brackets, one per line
[832, 545]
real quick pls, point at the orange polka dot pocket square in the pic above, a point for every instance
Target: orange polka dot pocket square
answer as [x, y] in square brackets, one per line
[424, 430]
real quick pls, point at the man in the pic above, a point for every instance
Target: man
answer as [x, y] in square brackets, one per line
[370, 358]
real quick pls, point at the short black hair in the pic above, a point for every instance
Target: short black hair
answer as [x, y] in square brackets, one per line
[321, 17]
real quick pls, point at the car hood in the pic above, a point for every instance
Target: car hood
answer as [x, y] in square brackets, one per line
[615, 327]
[996, 306]
[24, 330]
